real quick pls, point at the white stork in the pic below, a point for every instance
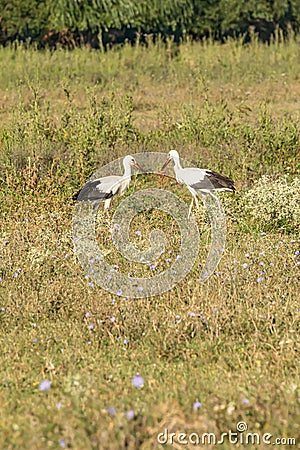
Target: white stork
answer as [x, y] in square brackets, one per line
[105, 188]
[196, 179]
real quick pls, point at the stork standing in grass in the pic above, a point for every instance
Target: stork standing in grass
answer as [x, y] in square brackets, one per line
[198, 180]
[105, 188]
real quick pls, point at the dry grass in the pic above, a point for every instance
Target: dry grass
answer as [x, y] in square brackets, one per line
[231, 343]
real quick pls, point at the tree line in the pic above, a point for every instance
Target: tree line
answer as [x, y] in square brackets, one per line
[101, 22]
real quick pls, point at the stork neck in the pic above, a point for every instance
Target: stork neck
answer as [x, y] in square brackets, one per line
[177, 165]
[127, 171]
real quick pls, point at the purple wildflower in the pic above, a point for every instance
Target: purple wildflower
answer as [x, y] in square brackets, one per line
[130, 414]
[138, 381]
[111, 410]
[197, 405]
[45, 385]
[62, 443]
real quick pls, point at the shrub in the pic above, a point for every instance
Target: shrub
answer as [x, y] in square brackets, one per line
[275, 202]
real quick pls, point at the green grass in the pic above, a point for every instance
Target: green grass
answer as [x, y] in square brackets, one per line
[231, 343]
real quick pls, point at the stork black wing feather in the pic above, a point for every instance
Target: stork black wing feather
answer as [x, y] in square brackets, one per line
[214, 180]
[90, 192]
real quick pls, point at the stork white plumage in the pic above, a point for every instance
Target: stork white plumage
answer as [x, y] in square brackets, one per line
[105, 188]
[201, 180]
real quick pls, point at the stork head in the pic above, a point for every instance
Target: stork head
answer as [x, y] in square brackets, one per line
[173, 155]
[129, 161]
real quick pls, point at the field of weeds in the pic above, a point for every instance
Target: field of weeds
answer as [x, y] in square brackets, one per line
[84, 369]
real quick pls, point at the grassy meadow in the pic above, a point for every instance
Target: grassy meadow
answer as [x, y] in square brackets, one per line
[210, 355]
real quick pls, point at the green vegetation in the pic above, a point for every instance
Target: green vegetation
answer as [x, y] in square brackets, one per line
[231, 344]
[78, 22]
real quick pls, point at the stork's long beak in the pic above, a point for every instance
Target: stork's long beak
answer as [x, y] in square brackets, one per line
[139, 167]
[166, 163]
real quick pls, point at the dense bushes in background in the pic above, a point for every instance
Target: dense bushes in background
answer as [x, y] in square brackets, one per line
[92, 21]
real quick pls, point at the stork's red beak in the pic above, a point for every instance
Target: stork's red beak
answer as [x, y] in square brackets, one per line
[138, 167]
[166, 163]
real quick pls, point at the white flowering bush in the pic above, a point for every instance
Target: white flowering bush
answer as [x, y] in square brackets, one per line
[274, 201]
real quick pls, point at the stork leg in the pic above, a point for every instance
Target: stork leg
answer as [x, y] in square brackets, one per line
[194, 197]
[190, 208]
[107, 204]
[214, 197]
[106, 210]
